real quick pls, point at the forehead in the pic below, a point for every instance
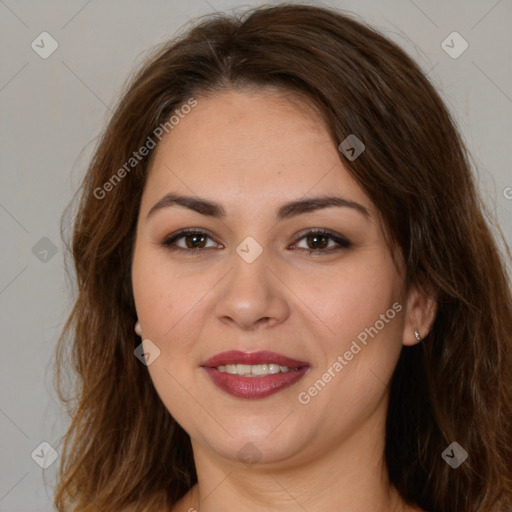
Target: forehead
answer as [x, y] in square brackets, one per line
[251, 144]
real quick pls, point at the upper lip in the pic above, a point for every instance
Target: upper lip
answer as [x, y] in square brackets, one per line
[252, 358]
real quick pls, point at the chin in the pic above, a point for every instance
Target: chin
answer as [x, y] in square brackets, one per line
[257, 441]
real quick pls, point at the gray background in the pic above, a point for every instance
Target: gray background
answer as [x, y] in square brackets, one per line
[53, 110]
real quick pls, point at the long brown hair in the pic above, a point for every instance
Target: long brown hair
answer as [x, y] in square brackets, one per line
[123, 450]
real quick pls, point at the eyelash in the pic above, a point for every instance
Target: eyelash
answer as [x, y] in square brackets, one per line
[343, 243]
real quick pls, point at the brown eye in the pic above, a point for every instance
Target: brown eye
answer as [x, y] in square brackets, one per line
[317, 241]
[195, 241]
[189, 240]
[322, 241]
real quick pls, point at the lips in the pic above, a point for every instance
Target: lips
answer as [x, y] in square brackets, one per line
[253, 358]
[254, 387]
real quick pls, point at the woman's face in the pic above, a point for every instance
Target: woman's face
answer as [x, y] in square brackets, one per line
[320, 332]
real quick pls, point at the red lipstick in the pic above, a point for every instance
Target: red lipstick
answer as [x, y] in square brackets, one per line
[261, 357]
[255, 386]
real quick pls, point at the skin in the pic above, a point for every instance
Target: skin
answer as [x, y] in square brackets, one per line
[252, 151]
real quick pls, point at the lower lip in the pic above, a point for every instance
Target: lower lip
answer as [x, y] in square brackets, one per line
[254, 387]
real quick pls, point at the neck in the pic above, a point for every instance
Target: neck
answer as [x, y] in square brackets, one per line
[350, 477]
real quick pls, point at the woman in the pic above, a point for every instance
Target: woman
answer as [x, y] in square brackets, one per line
[288, 295]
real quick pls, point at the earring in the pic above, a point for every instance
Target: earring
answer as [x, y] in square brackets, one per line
[417, 334]
[138, 329]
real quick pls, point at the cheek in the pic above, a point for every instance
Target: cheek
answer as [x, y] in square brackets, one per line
[350, 298]
[361, 307]
[165, 299]
[165, 305]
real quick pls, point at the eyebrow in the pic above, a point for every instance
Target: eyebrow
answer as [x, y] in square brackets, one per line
[287, 210]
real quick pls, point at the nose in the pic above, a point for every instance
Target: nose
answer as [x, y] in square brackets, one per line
[252, 295]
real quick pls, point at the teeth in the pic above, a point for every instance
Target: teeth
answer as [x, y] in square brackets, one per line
[253, 370]
[260, 369]
[274, 368]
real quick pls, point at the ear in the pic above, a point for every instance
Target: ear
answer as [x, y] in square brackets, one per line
[420, 313]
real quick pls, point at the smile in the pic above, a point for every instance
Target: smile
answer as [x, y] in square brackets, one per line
[253, 375]
[253, 370]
